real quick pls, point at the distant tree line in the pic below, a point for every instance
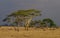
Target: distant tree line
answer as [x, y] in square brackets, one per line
[24, 18]
[43, 23]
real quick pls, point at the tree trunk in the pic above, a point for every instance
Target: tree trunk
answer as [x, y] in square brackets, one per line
[17, 20]
[27, 24]
[18, 27]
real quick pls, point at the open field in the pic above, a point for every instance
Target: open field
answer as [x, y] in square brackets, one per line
[9, 32]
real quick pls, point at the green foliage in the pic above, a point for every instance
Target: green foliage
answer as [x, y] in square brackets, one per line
[30, 12]
[23, 15]
[44, 23]
[6, 19]
[51, 23]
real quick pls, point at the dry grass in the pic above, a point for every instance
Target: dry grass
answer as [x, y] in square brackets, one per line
[9, 32]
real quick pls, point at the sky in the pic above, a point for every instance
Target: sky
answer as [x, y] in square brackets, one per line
[49, 8]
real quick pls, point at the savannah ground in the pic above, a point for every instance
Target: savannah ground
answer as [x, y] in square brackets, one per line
[9, 32]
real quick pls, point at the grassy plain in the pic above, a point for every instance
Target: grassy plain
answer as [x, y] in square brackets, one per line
[9, 32]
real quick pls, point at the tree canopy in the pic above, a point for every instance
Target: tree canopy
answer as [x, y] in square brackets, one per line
[23, 15]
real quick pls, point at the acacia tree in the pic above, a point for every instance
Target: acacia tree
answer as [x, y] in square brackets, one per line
[31, 13]
[49, 22]
[24, 15]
